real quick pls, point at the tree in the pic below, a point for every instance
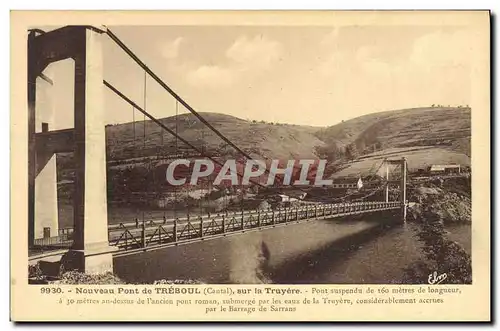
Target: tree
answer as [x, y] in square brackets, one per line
[378, 145]
[351, 152]
[360, 146]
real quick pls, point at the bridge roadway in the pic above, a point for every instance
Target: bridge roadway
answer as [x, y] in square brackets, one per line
[132, 237]
[156, 234]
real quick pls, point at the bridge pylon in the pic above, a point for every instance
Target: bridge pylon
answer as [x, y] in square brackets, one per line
[402, 183]
[90, 252]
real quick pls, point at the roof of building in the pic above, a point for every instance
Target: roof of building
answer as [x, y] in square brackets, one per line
[347, 180]
[442, 167]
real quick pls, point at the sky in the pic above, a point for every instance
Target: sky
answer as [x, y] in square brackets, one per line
[318, 75]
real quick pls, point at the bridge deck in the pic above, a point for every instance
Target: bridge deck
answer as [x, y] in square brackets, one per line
[133, 237]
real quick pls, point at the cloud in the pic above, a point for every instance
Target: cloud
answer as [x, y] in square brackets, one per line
[370, 62]
[171, 49]
[328, 66]
[253, 53]
[442, 49]
[210, 76]
[330, 39]
[244, 58]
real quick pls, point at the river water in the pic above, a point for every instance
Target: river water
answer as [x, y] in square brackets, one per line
[337, 251]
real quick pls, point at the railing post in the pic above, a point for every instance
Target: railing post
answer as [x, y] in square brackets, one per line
[272, 216]
[387, 183]
[175, 229]
[201, 226]
[242, 223]
[126, 240]
[143, 234]
[224, 223]
[258, 218]
[315, 211]
[159, 234]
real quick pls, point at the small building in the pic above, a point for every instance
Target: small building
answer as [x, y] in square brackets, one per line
[286, 198]
[444, 169]
[347, 183]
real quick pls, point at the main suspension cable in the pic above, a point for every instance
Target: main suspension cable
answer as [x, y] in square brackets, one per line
[136, 106]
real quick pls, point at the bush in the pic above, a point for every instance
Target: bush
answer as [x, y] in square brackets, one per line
[79, 278]
[441, 255]
[35, 272]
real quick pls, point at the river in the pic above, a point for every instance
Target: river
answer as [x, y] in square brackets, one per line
[338, 251]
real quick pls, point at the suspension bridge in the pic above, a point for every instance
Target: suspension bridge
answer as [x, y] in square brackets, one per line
[91, 242]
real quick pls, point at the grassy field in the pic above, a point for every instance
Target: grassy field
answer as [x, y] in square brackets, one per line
[416, 159]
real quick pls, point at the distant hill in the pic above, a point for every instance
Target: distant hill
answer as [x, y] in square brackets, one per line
[259, 139]
[424, 135]
[436, 126]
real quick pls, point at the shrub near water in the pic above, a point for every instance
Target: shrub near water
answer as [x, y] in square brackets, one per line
[441, 255]
[79, 278]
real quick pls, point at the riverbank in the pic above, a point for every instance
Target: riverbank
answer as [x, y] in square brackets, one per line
[447, 199]
[442, 204]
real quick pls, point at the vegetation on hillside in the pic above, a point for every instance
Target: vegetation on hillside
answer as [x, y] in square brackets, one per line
[447, 127]
[448, 200]
[137, 152]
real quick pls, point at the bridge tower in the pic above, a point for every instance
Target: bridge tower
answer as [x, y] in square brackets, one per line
[402, 183]
[90, 251]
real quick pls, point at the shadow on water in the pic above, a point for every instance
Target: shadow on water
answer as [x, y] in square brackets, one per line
[307, 267]
[329, 251]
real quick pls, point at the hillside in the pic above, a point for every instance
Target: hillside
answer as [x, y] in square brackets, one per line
[424, 135]
[436, 126]
[260, 140]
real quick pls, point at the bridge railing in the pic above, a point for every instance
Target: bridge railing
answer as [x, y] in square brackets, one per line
[140, 235]
[63, 240]
[136, 235]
